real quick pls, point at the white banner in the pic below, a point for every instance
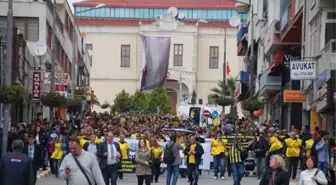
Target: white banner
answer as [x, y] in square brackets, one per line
[303, 70]
[206, 158]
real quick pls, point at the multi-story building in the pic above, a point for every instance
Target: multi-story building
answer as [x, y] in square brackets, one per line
[112, 31]
[34, 20]
[286, 32]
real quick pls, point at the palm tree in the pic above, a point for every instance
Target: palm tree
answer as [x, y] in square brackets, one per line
[224, 92]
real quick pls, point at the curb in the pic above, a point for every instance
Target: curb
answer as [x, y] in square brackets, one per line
[43, 174]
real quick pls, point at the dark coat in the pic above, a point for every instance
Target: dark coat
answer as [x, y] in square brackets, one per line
[281, 177]
[37, 161]
[103, 149]
[198, 153]
[16, 169]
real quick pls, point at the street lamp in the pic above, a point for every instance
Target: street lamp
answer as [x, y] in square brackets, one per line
[201, 21]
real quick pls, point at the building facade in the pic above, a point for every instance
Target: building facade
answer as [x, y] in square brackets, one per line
[286, 32]
[34, 21]
[112, 34]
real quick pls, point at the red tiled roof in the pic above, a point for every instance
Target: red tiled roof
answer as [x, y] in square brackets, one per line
[195, 4]
[135, 22]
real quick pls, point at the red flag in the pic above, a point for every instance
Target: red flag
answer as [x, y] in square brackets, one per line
[228, 70]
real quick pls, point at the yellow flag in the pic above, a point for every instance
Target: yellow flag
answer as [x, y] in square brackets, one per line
[134, 118]
[216, 121]
[122, 120]
[175, 123]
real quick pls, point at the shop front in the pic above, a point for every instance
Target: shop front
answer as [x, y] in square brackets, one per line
[324, 99]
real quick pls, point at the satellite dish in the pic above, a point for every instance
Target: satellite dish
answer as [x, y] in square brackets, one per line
[234, 21]
[172, 11]
[181, 16]
[40, 49]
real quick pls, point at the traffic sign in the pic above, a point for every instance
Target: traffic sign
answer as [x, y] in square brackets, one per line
[214, 114]
[206, 113]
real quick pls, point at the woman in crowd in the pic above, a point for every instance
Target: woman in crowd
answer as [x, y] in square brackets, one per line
[58, 153]
[157, 159]
[312, 175]
[143, 159]
[275, 175]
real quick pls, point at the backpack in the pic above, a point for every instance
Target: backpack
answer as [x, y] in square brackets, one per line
[168, 156]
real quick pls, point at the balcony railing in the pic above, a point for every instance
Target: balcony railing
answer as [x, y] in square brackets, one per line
[330, 47]
[266, 80]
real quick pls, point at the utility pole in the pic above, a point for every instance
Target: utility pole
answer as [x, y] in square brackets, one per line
[53, 62]
[224, 63]
[180, 90]
[8, 75]
[73, 66]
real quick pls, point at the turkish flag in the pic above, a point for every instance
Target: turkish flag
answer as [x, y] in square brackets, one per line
[228, 70]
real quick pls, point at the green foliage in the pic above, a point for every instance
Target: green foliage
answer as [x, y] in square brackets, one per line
[159, 98]
[13, 94]
[52, 100]
[122, 102]
[74, 104]
[224, 92]
[139, 102]
[252, 104]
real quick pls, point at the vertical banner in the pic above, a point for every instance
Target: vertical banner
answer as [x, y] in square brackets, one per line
[36, 84]
[156, 50]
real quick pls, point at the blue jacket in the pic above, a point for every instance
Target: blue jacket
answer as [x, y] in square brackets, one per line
[322, 151]
[16, 169]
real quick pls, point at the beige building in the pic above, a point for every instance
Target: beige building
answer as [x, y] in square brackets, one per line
[196, 55]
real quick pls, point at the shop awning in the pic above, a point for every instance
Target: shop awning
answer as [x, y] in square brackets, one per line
[277, 60]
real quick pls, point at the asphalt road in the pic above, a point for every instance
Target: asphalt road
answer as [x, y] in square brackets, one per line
[130, 179]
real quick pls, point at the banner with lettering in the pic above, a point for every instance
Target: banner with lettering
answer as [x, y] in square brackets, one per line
[130, 163]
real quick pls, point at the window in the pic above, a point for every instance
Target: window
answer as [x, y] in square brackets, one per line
[214, 54]
[89, 46]
[125, 55]
[315, 36]
[211, 100]
[68, 26]
[28, 27]
[178, 54]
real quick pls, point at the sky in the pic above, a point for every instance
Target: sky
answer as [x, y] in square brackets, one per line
[73, 1]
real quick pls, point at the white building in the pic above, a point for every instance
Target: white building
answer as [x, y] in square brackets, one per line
[34, 20]
[197, 45]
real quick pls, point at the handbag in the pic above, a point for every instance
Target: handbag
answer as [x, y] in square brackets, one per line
[82, 170]
[317, 171]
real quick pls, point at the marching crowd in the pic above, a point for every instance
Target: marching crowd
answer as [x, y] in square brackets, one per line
[85, 151]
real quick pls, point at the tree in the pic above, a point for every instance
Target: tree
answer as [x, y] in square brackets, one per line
[159, 98]
[224, 93]
[139, 101]
[122, 102]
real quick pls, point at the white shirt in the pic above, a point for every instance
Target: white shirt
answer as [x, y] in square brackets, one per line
[306, 177]
[37, 139]
[111, 161]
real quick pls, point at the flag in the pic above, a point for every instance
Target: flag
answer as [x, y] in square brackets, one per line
[228, 70]
[156, 51]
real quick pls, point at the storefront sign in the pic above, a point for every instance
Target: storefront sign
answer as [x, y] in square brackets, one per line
[303, 70]
[294, 96]
[36, 85]
[60, 78]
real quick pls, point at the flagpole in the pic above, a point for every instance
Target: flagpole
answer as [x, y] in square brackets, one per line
[224, 63]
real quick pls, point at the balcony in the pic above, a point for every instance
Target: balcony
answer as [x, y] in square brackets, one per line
[291, 22]
[328, 56]
[242, 7]
[269, 85]
[242, 41]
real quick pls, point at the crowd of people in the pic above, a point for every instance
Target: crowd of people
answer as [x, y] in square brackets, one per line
[90, 149]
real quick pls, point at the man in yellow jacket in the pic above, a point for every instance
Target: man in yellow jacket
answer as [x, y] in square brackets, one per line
[293, 147]
[218, 152]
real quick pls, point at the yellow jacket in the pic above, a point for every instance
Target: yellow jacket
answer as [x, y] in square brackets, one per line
[217, 147]
[275, 144]
[293, 147]
[309, 144]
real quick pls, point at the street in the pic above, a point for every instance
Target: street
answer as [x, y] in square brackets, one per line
[130, 179]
